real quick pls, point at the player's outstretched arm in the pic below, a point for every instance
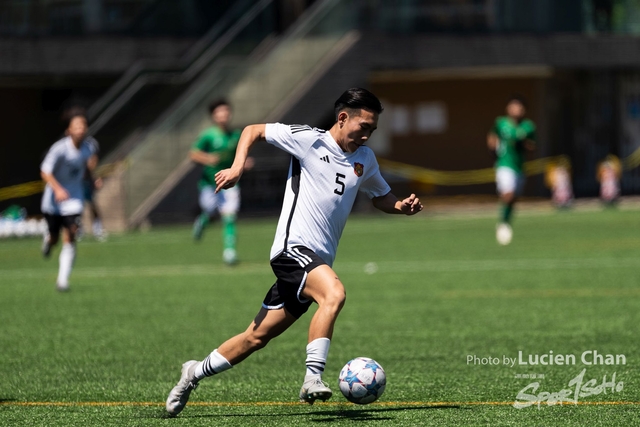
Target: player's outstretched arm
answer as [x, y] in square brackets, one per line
[227, 178]
[207, 159]
[492, 141]
[92, 163]
[390, 204]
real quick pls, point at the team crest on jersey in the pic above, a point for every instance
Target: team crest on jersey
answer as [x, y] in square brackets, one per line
[358, 168]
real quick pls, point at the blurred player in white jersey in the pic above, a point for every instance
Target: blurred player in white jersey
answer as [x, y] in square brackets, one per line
[327, 170]
[63, 169]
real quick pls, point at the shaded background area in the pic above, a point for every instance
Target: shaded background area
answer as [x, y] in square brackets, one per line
[443, 69]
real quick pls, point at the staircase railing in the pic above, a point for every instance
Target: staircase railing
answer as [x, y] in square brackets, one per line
[258, 74]
[148, 72]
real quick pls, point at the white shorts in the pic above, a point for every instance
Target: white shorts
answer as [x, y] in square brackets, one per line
[509, 181]
[226, 201]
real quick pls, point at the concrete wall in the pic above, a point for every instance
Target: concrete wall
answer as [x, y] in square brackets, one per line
[94, 56]
[569, 78]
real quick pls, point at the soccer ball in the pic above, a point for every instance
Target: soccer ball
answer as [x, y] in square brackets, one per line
[362, 380]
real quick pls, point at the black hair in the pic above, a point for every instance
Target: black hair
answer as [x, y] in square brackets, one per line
[357, 98]
[73, 112]
[516, 97]
[217, 103]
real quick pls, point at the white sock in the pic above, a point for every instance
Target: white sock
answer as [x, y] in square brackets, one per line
[211, 365]
[97, 228]
[317, 351]
[67, 257]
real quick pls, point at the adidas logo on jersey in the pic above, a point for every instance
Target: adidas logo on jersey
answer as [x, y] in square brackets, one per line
[325, 159]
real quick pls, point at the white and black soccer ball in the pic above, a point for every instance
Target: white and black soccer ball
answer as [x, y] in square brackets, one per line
[362, 380]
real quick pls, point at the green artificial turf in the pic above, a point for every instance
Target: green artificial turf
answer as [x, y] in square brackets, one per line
[424, 295]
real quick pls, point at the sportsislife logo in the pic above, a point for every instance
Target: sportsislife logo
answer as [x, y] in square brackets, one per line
[577, 388]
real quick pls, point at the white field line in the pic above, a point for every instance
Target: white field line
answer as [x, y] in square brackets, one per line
[494, 265]
[435, 266]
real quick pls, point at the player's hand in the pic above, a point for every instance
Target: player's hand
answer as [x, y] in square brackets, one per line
[411, 205]
[60, 194]
[227, 178]
[492, 142]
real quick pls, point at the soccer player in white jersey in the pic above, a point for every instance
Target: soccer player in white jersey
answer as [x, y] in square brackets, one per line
[327, 170]
[63, 169]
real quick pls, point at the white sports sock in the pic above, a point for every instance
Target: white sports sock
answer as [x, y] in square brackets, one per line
[97, 228]
[211, 365]
[317, 351]
[67, 257]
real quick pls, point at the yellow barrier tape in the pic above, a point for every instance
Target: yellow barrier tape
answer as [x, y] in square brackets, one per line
[21, 190]
[632, 160]
[107, 169]
[450, 178]
[37, 187]
[479, 176]
[415, 173]
[431, 176]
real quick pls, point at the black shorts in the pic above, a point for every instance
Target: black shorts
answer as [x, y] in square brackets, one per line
[291, 268]
[55, 222]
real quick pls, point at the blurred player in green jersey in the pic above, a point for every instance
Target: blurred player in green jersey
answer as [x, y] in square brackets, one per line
[215, 149]
[511, 136]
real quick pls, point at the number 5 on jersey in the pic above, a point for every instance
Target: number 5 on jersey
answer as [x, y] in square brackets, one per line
[340, 190]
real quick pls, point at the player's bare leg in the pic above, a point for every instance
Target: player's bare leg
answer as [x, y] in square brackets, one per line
[267, 325]
[49, 241]
[97, 226]
[325, 288]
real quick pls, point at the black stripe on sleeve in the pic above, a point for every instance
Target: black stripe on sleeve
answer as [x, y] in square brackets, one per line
[299, 128]
[295, 187]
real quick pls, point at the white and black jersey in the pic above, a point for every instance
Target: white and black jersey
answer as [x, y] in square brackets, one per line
[321, 188]
[68, 165]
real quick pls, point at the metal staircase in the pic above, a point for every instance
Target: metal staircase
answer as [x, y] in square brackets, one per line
[259, 73]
